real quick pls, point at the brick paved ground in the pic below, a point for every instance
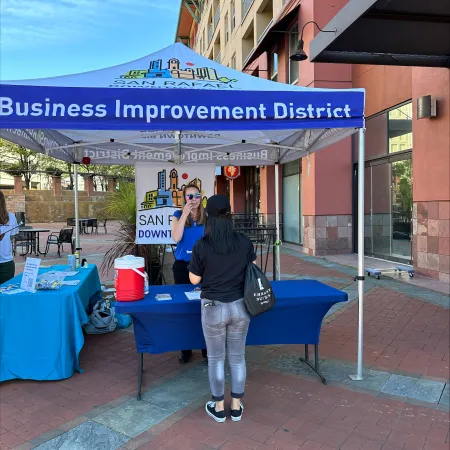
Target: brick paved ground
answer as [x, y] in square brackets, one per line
[287, 413]
[405, 333]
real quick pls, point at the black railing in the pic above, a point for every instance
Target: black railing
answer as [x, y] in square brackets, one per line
[263, 239]
[244, 220]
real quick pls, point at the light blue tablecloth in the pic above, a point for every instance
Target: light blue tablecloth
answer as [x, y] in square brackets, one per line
[41, 334]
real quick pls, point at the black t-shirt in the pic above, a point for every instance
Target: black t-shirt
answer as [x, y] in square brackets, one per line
[223, 276]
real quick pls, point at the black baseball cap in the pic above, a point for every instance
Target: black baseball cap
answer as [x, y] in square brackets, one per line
[218, 205]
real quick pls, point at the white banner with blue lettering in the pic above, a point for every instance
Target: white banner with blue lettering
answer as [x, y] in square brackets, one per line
[175, 104]
[159, 193]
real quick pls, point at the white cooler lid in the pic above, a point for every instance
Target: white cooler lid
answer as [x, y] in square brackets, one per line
[129, 261]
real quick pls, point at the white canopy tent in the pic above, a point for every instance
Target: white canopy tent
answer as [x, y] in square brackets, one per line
[175, 105]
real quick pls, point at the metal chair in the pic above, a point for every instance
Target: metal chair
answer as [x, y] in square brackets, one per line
[65, 236]
[22, 239]
[95, 225]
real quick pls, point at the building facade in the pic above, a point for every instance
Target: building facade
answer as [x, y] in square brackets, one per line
[407, 167]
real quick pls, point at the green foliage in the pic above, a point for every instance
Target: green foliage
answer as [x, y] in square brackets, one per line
[403, 171]
[16, 160]
[122, 204]
[53, 170]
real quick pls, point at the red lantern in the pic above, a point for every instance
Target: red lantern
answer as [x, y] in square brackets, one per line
[86, 160]
[232, 172]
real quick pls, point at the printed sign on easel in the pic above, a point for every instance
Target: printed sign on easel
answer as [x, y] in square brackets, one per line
[30, 274]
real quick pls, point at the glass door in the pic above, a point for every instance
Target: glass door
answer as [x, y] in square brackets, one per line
[292, 229]
[388, 209]
[401, 209]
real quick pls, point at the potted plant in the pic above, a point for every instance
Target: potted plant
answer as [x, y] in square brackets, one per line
[122, 206]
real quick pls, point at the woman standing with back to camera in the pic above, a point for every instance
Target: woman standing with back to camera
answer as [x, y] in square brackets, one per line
[187, 228]
[219, 261]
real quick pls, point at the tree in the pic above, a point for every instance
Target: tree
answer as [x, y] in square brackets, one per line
[18, 160]
[69, 167]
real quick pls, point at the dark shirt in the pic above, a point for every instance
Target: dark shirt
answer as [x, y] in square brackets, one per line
[223, 276]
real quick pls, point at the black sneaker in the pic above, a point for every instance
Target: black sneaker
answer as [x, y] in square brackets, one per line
[184, 357]
[236, 414]
[218, 416]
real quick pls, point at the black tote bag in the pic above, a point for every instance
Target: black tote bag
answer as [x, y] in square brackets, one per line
[258, 293]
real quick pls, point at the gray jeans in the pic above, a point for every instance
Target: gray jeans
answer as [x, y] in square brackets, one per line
[225, 327]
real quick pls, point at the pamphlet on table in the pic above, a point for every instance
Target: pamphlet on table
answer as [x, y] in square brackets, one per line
[193, 295]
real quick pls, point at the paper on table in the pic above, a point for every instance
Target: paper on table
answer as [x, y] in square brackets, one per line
[62, 273]
[30, 273]
[193, 295]
[70, 282]
[13, 291]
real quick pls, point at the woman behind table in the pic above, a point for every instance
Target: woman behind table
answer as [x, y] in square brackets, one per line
[219, 261]
[187, 228]
[7, 222]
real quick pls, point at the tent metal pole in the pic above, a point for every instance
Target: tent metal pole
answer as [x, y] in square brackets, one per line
[360, 277]
[277, 221]
[77, 218]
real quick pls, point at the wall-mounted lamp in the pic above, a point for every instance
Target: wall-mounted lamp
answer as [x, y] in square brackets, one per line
[426, 107]
[300, 54]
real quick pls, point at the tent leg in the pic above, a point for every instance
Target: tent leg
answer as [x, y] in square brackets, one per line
[277, 219]
[360, 277]
[77, 218]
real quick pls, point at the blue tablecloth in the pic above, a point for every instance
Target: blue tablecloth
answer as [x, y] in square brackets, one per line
[41, 334]
[170, 325]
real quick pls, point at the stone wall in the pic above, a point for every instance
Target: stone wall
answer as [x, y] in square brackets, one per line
[327, 235]
[14, 202]
[45, 207]
[431, 239]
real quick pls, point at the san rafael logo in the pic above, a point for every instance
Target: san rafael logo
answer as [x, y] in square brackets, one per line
[173, 76]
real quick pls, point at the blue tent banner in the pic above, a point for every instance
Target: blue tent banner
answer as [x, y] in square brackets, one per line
[78, 108]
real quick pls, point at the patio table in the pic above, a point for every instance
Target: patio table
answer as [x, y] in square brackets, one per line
[170, 325]
[33, 237]
[41, 334]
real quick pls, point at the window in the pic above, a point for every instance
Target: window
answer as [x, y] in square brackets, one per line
[274, 66]
[293, 65]
[227, 36]
[233, 61]
[400, 128]
[233, 15]
[389, 132]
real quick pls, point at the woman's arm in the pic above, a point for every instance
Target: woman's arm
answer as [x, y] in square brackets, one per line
[179, 223]
[194, 279]
[178, 228]
[196, 265]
